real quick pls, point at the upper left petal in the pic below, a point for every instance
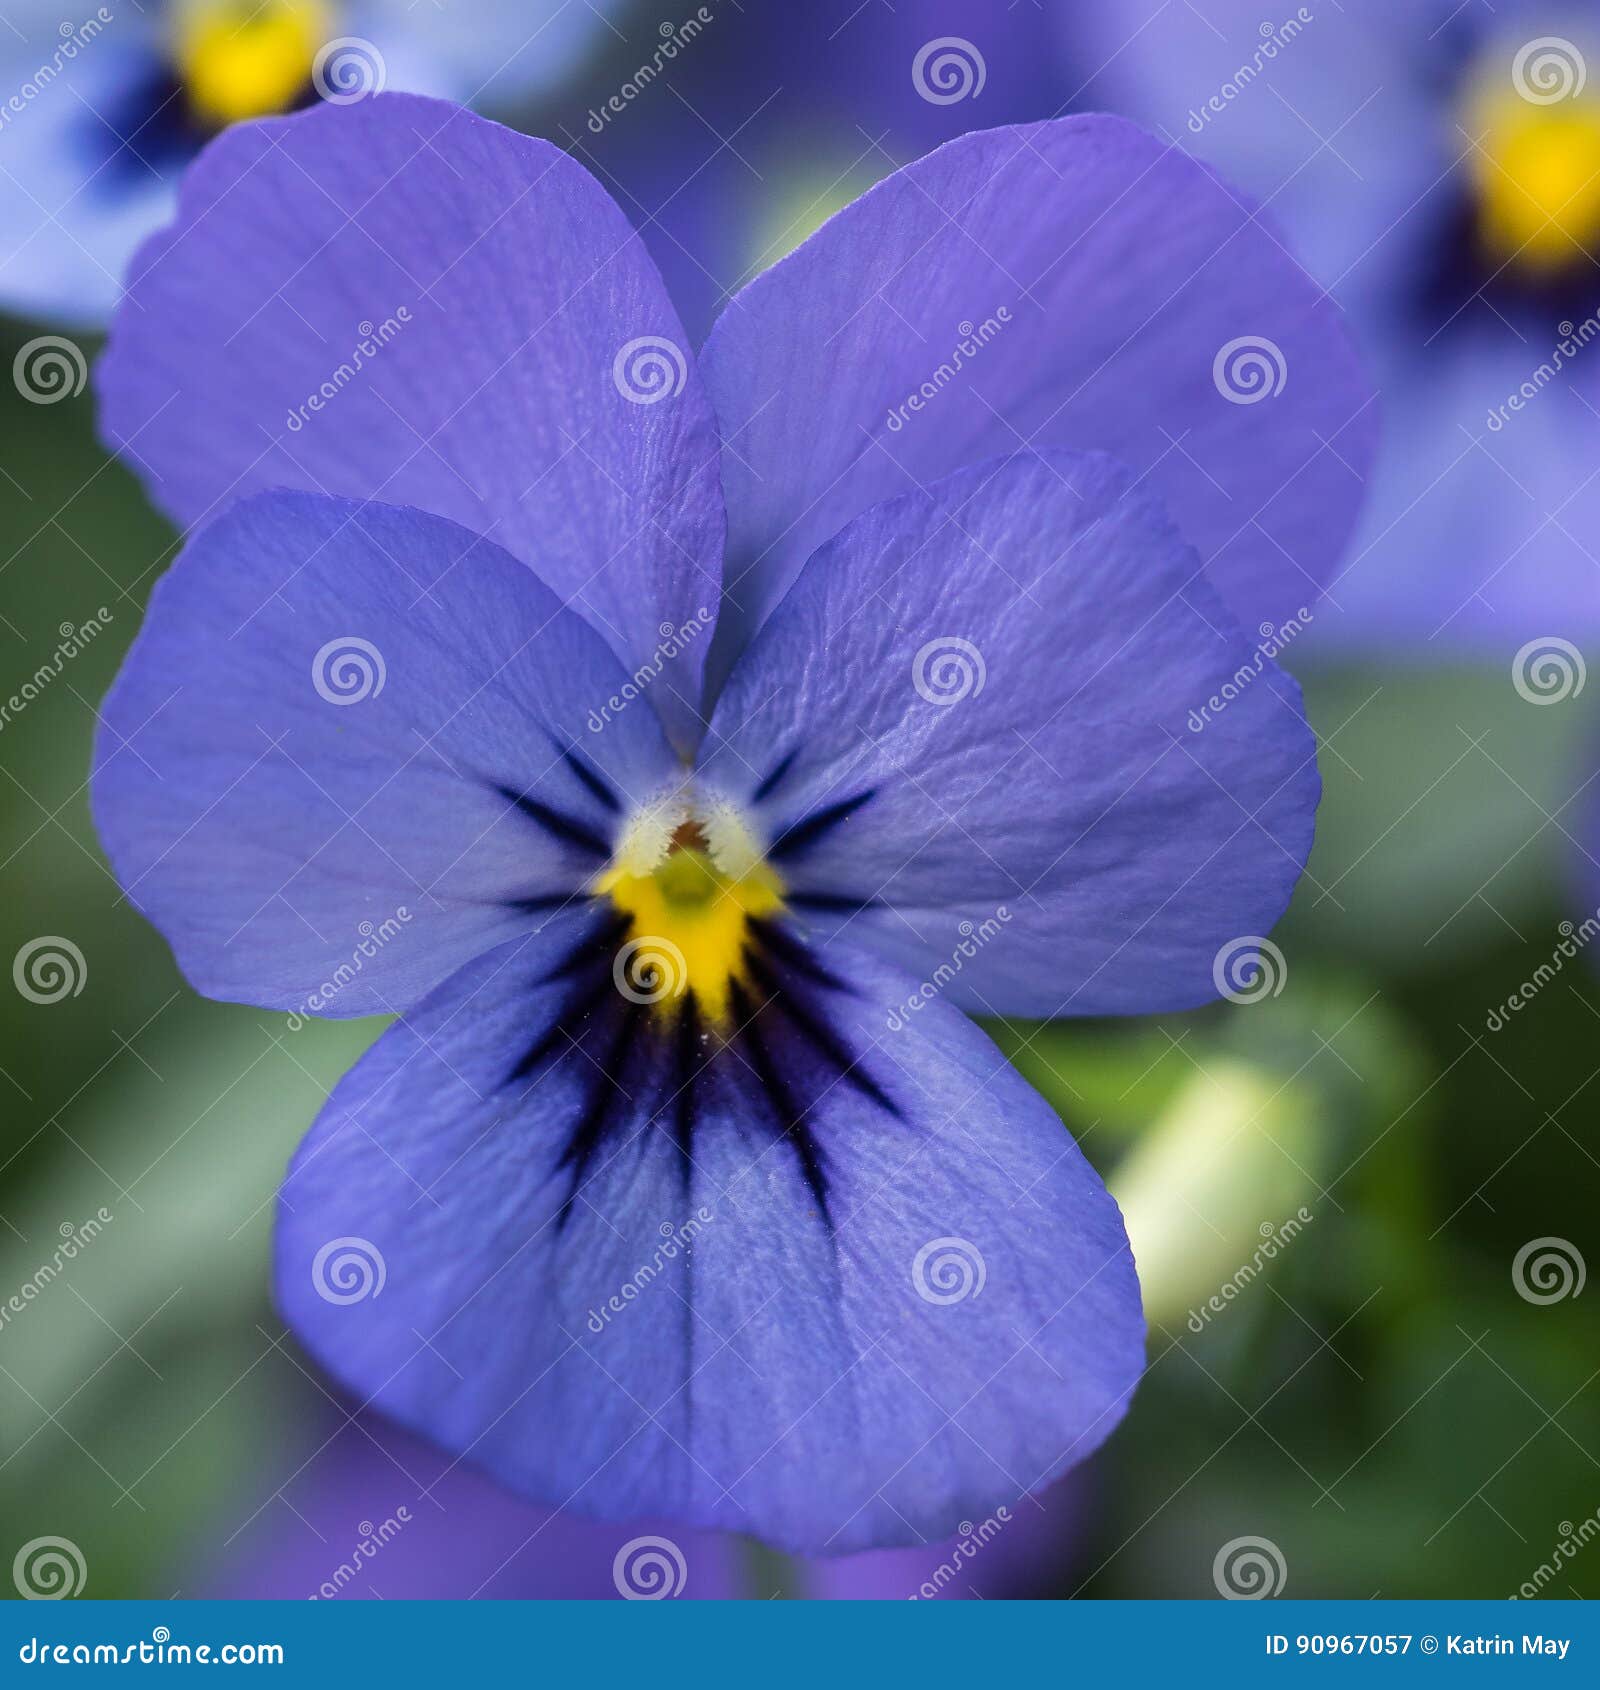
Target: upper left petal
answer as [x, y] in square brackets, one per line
[399, 300]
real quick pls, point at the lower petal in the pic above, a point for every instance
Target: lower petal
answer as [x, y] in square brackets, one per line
[832, 1287]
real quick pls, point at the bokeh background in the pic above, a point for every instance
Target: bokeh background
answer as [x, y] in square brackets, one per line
[1393, 1396]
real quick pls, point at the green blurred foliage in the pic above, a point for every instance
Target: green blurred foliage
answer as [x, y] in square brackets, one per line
[1378, 1400]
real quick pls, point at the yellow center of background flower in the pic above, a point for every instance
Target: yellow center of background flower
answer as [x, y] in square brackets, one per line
[1536, 172]
[688, 917]
[247, 58]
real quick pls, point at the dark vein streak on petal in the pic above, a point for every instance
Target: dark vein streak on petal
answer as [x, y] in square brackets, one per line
[796, 954]
[540, 901]
[591, 778]
[803, 834]
[770, 784]
[553, 821]
[791, 1118]
[833, 903]
[608, 1096]
[823, 1038]
[594, 946]
[686, 1070]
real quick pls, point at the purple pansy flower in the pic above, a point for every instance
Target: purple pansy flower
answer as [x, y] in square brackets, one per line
[1437, 167]
[683, 1187]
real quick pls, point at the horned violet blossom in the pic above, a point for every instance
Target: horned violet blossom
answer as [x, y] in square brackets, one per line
[648, 970]
[101, 110]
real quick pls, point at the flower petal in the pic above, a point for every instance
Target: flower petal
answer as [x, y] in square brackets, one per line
[1063, 778]
[398, 300]
[833, 1289]
[351, 748]
[1064, 284]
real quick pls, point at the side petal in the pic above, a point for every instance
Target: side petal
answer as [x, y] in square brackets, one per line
[352, 747]
[834, 1290]
[398, 300]
[1067, 284]
[1063, 781]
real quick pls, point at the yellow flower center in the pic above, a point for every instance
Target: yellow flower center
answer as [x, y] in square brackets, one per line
[1536, 172]
[689, 896]
[247, 58]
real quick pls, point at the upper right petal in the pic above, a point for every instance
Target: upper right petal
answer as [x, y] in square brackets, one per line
[398, 300]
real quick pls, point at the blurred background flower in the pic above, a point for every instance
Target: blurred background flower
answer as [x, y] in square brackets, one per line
[1384, 1393]
[101, 109]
